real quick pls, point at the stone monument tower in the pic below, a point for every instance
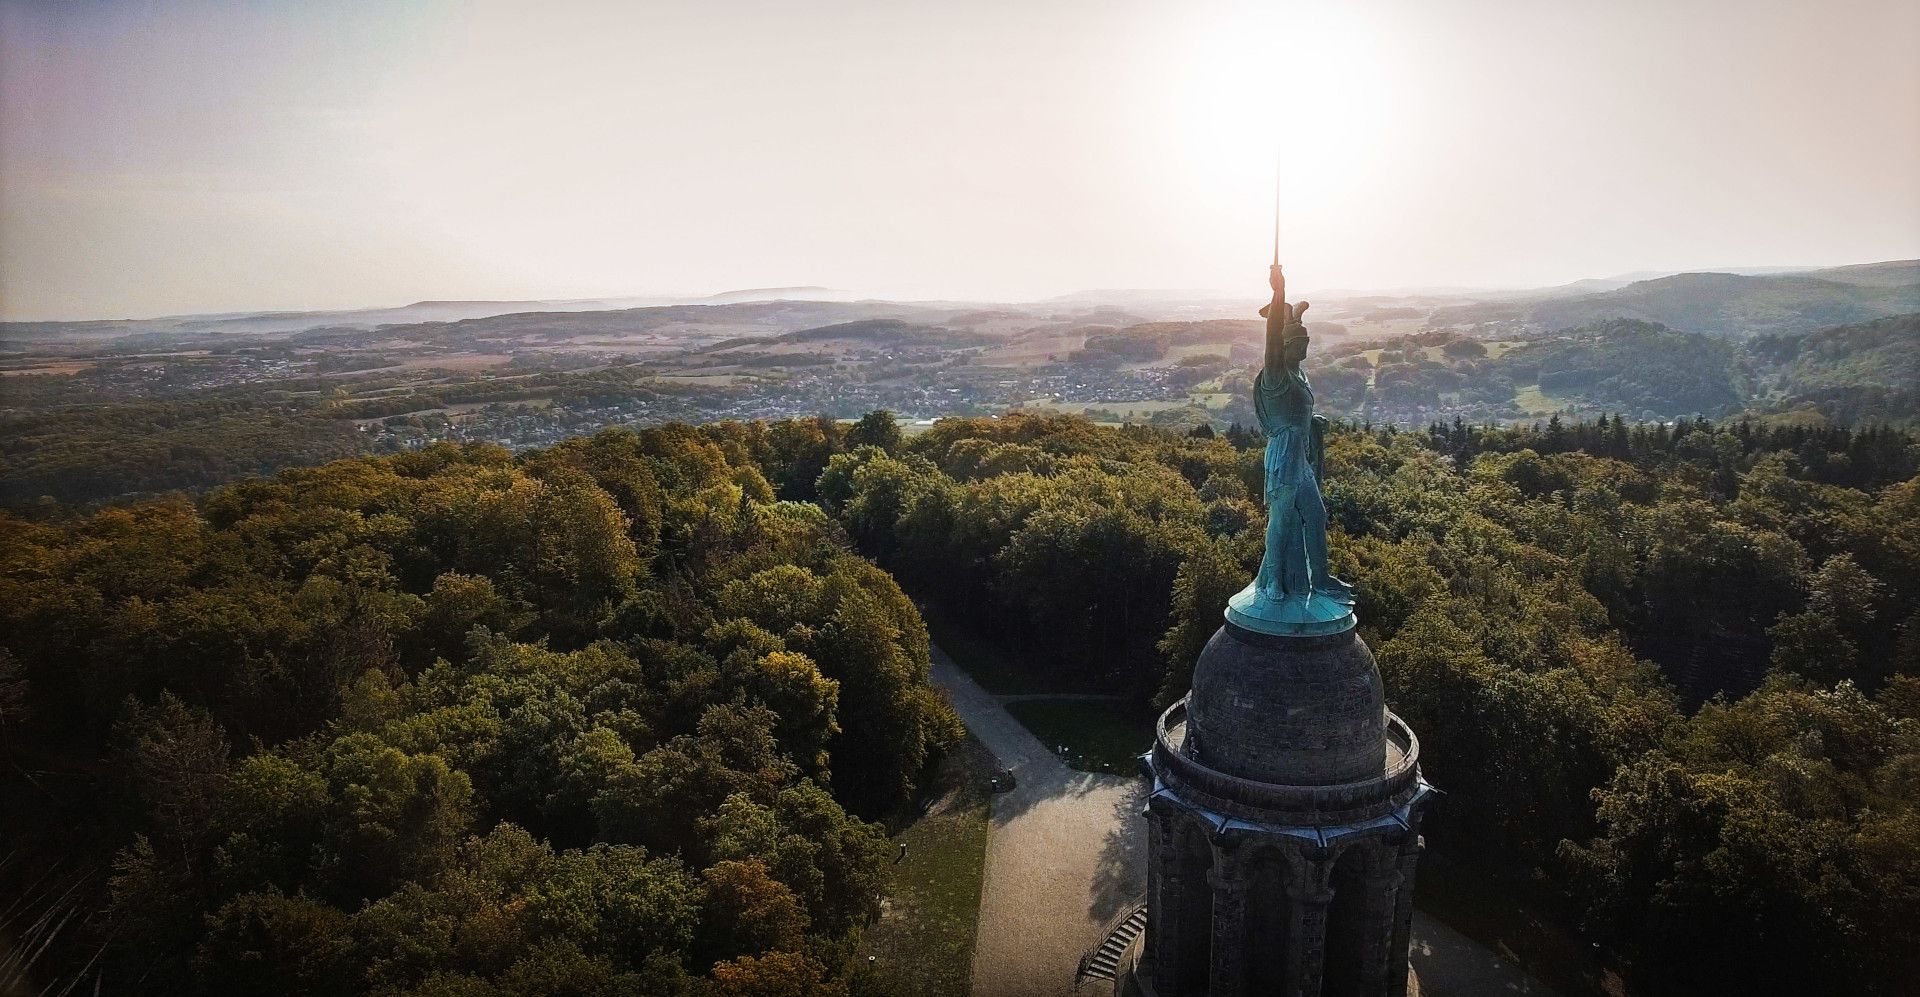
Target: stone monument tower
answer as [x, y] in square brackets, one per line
[1283, 823]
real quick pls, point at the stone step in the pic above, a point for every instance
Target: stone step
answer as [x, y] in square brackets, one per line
[1103, 963]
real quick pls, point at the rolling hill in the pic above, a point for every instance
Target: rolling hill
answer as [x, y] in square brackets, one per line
[1739, 306]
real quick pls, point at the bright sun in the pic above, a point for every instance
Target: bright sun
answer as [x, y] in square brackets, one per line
[1311, 85]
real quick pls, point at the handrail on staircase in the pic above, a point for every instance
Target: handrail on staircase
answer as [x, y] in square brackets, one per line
[1114, 923]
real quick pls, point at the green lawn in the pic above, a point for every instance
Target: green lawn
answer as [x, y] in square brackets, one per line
[1000, 669]
[1100, 735]
[923, 942]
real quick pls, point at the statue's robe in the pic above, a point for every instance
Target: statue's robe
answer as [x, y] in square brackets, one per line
[1284, 406]
[1285, 410]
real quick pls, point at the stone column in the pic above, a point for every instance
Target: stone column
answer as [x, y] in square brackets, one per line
[1379, 918]
[1227, 969]
[1164, 901]
[1308, 894]
[1409, 856]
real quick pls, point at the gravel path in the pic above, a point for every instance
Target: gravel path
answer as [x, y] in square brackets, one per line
[1068, 850]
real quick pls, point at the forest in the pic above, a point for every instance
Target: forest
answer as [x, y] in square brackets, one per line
[618, 716]
[1668, 674]
[606, 718]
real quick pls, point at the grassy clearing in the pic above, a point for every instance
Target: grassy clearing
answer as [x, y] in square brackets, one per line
[1533, 401]
[923, 942]
[999, 668]
[74, 367]
[1100, 735]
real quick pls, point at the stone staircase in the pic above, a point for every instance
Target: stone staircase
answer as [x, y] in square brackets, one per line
[1103, 963]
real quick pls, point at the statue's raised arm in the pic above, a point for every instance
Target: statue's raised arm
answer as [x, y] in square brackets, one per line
[1283, 323]
[1294, 593]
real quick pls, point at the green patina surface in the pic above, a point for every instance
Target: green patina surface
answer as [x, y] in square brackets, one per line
[1309, 616]
[1294, 595]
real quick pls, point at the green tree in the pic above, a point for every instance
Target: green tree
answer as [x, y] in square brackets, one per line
[879, 428]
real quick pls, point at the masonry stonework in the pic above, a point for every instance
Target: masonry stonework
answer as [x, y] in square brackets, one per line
[1283, 826]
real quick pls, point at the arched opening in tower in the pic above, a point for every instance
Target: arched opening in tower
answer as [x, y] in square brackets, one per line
[1346, 924]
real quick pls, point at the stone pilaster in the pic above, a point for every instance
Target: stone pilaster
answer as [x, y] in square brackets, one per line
[1227, 971]
[1409, 857]
[1308, 894]
[1165, 901]
[1379, 917]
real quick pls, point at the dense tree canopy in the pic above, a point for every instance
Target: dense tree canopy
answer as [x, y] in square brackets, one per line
[604, 718]
[610, 717]
[1670, 669]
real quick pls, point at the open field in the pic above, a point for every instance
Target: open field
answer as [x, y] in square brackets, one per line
[1533, 401]
[464, 362]
[45, 369]
[704, 378]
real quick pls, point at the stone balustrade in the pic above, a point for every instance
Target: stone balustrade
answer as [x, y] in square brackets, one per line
[1233, 796]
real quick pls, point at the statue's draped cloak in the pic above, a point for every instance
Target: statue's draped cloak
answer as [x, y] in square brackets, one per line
[1294, 595]
[1285, 411]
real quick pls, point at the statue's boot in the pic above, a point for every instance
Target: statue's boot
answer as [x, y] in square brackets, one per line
[1335, 589]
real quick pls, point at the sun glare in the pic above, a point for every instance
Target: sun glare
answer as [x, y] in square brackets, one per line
[1308, 90]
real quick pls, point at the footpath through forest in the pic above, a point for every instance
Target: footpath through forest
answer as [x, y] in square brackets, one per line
[1067, 852]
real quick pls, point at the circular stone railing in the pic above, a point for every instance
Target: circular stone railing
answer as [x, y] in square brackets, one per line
[1251, 799]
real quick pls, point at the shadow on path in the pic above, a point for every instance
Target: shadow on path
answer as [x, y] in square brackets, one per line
[1062, 859]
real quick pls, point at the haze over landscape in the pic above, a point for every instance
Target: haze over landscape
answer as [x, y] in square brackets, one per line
[721, 499]
[214, 157]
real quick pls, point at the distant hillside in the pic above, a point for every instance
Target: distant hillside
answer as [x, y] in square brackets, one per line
[280, 323]
[807, 293]
[1868, 372]
[758, 318]
[887, 330]
[1631, 366]
[1899, 273]
[1150, 341]
[1856, 374]
[1739, 307]
[1754, 302]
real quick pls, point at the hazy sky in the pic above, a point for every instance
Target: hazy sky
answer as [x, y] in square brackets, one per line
[189, 157]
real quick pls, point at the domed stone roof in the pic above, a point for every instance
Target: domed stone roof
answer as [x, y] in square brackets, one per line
[1296, 711]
